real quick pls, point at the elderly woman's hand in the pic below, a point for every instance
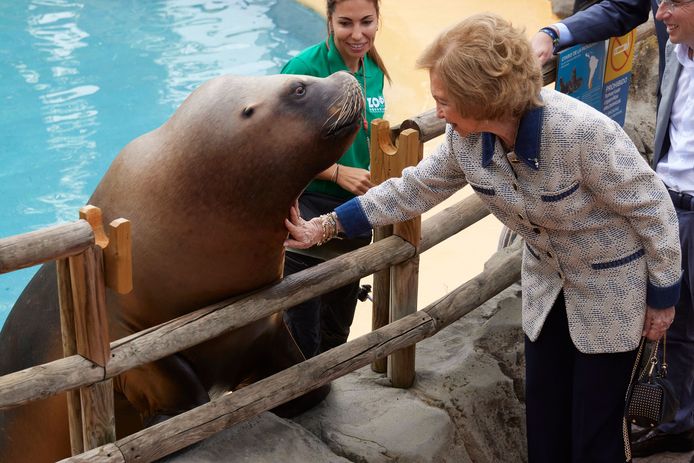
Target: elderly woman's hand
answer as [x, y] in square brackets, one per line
[657, 322]
[302, 234]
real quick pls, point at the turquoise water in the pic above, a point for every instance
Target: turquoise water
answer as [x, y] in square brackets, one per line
[80, 79]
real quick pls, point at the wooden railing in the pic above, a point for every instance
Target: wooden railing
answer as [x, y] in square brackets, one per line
[79, 249]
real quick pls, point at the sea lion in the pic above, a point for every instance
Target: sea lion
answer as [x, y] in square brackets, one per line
[207, 194]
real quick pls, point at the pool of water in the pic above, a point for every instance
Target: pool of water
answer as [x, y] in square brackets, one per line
[80, 79]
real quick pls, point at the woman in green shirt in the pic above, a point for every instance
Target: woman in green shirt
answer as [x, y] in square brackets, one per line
[323, 322]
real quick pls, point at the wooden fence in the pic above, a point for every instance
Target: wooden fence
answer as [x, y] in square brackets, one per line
[88, 261]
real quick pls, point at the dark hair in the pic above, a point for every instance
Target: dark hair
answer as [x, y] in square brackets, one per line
[372, 53]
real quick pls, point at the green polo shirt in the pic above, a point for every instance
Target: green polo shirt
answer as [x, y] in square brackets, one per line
[321, 61]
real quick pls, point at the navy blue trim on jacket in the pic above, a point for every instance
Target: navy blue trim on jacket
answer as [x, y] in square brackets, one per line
[659, 297]
[352, 218]
[527, 146]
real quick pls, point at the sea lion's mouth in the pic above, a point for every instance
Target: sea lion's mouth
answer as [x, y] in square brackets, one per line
[343, 128]
[346, 112]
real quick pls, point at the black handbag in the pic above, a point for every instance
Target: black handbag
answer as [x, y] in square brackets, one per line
[651, 399]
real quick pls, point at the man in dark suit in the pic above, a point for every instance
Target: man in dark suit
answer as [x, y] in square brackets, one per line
[673, 161]
[601, 21]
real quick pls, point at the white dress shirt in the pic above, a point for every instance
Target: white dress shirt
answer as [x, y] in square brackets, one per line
[677, 167]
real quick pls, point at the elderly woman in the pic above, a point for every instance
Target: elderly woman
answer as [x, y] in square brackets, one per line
[601, 263]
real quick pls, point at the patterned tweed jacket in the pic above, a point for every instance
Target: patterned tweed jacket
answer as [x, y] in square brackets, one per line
[596, 220]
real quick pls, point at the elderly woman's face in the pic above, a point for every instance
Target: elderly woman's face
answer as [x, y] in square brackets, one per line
[446, 110]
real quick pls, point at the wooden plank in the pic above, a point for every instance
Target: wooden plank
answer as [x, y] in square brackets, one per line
[118, 257]
[67, 329]
[381, 298]
[403, 302]
[88, 294]
[409, 154]
[97, 415]
[38, 247]
[427, 124]
[381, 150]
[46, 380]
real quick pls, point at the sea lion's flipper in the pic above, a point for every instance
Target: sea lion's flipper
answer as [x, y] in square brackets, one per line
[162, 389]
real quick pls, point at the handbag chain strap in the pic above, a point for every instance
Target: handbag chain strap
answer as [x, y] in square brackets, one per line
[663, 372]
[663, 366]
[625, 425]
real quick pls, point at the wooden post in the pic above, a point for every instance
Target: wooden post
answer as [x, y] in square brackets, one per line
[67, 328]
[92, 343]
[381, 298]
[82, 288]
[118, 258]
[395, 289]
[88, 298]
[404, 276]
[381, 148]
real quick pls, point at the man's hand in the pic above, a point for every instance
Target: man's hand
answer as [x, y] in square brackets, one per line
[542, 46]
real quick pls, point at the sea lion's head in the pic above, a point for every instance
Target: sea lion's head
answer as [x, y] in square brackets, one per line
[280, 128]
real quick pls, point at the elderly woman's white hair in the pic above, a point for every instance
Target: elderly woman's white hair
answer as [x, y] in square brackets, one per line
[487, 66]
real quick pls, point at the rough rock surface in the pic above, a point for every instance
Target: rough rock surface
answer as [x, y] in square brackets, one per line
[265, 438]
[641, 105]
[562, 8]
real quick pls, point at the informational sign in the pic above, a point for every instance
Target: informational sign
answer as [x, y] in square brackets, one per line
[599, 74]
[620, 57]
[580, 73]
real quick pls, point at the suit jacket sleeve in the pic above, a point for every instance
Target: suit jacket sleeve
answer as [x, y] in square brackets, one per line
[606, 19]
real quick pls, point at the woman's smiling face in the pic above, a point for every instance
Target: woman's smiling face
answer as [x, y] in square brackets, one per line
[354, 24]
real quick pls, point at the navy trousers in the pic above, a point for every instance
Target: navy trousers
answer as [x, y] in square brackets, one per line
[680, 336]
[574, 401]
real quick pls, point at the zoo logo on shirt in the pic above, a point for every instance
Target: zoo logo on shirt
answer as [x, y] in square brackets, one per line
[377, 104]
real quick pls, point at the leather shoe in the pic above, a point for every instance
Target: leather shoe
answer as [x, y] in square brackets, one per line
[654, 442]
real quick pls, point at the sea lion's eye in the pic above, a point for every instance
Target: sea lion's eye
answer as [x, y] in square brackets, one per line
[248, 111]
[300, 90]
